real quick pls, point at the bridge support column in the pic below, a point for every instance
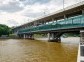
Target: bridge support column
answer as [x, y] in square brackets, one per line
[54, 37]
[30, 36]
[82, 12]
[58, 39]
[24, 36]
[19, 35]
[82, 37]
[48, 36]
[81, 46]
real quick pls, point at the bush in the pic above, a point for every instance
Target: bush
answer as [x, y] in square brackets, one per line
[4, 30]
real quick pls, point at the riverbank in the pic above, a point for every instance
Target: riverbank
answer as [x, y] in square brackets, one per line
[67, 39]
[9, 38]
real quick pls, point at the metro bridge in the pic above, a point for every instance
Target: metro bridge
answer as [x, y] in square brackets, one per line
[70, 19]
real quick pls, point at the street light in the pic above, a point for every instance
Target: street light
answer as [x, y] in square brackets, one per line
[45, 11]
[63, 4]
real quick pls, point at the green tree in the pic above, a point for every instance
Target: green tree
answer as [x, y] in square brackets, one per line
[4, 30]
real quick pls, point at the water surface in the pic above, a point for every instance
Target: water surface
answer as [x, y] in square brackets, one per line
[21, 50]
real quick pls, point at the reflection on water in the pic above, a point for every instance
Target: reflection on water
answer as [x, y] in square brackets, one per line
[21, 50]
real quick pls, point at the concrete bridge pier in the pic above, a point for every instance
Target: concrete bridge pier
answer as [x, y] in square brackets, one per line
[81, 47]
[48, 36]
[82, 37]
[20, 36]
[29, 36]
[53, 37]
[56, 37]
[24, 36]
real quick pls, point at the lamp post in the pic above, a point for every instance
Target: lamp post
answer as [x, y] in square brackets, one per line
[45, 11]
[63, 4]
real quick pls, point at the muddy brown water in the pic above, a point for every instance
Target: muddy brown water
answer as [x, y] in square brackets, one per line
[21, 50]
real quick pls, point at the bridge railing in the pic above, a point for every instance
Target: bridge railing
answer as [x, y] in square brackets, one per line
[72, 22]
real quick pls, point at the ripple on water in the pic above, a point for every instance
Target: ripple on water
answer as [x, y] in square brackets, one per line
[13, 50]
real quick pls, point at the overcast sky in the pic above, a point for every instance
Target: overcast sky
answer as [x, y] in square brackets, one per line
[18, 12]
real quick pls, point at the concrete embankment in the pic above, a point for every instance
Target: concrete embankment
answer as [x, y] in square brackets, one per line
[68, 39]
[9, 37]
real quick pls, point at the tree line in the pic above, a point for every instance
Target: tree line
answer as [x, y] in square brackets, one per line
[4, 30]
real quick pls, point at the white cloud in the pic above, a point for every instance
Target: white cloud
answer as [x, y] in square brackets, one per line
[11, 19]
[11, 6]
[17, 12]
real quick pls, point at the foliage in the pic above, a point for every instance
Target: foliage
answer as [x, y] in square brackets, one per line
[71, 35]
[13, 36]
[4, 30]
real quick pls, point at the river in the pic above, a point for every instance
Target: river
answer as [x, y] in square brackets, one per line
[24, 50]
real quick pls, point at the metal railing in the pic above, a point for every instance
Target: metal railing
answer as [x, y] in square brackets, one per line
[73, 22]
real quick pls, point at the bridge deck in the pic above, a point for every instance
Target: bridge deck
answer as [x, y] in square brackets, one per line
[73, 22]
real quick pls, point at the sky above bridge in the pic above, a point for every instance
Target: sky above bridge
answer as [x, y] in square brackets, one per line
[18, 12]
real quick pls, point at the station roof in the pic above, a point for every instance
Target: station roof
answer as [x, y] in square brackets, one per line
[58, 14]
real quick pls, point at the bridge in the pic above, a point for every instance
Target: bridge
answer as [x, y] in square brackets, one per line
[69, 19]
